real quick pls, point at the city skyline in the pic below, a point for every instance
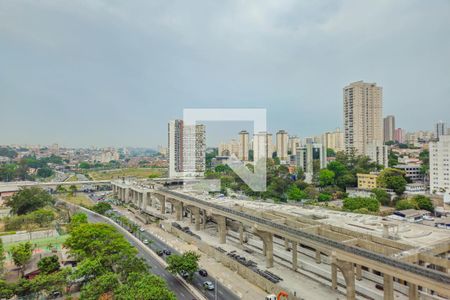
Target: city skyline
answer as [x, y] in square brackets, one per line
[108, 80]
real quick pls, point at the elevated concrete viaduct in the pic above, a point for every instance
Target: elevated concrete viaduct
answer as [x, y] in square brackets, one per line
[349, 251]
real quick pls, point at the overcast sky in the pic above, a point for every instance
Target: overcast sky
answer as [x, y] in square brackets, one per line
[112, 73]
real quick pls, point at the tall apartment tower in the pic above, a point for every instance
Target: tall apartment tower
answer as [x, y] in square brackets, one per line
[334, 140]
[243, 145]
[282, 145]
[440, 165]
[440, 128]
[186, 149]
[262, 146]
[293, 143]
[363, 121]
[389, 129]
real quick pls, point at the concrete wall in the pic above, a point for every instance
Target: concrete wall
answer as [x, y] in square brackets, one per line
[25, 236]
[230, 263]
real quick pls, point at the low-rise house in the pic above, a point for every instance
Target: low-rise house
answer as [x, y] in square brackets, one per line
[411, 215]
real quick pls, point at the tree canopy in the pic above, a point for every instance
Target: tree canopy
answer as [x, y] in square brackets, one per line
[188, 262]
[29, 199]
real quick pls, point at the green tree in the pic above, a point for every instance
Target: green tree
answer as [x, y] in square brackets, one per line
[406, 204]
[352, 204]
[295, 193]
[382, 196]
[392, 179]
[49, 264]
[77, 219]
[28, 200]
[424, 202]
[326, 177]
[60, 189]
[101, 207]
[2, 258]
[101, 287]
[42, 217]
[324, 197]
[72, 190]
[21, 254]
[84, 165]
[331, 152]
[44, 172]
[147, 286]
[188, 262]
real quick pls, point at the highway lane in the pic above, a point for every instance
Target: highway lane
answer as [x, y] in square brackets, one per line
[222, 292]
[173, 282]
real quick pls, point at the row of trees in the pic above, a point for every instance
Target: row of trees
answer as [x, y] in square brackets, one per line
[20, 170]
[110, 265]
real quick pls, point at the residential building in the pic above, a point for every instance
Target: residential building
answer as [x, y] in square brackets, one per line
[293, 143]
[243, 145]
[305, 157]
[186, 148]
[363, 121]
[334, 140]
[377, 152]
[262, 146]
[229, 149]
[412, 171]
[282, 146]
[440, 165]
[367, 181]
[389, 128]
[440, 128]
[419, 137]
[399, 135]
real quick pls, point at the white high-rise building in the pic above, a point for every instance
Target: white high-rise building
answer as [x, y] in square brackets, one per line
[440, 165]
[282, 146]
[440, 128]
[334, 140]
[378, 152]
[186, 148]
[293, 143]
[389, 128]
[243, 145]
[262, 146]
[305, 156]
[363, 121]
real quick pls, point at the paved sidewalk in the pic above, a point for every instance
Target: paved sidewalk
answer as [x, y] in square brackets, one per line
[233, 281]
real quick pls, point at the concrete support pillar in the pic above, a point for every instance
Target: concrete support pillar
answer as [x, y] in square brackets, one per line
[191, 216]
[294, 256]
[267, 239]
[197, 219]
[286, 244]
[241, 233]
[388, 286]
[162, 204]
[333, 276]
[127, 195]
[222, 228]
[358, 272]
[318, 258]
[348, 271]
[179, 211]
[413, 292]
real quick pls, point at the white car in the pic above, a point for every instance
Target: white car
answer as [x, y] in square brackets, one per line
[141, 229]
[208, 285]
[145, 241]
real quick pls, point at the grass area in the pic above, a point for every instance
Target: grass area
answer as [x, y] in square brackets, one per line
[42, 243]
[72, 178]
[80, 199]
[126, 172]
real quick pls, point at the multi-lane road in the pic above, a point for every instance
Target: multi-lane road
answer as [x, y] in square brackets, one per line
[173, 282]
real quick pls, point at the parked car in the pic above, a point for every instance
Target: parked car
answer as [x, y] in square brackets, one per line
[167, 252]
[208, 285]
[159, 252]
[141, 229]
[184, 274]
[145, 241]
[203, 272]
